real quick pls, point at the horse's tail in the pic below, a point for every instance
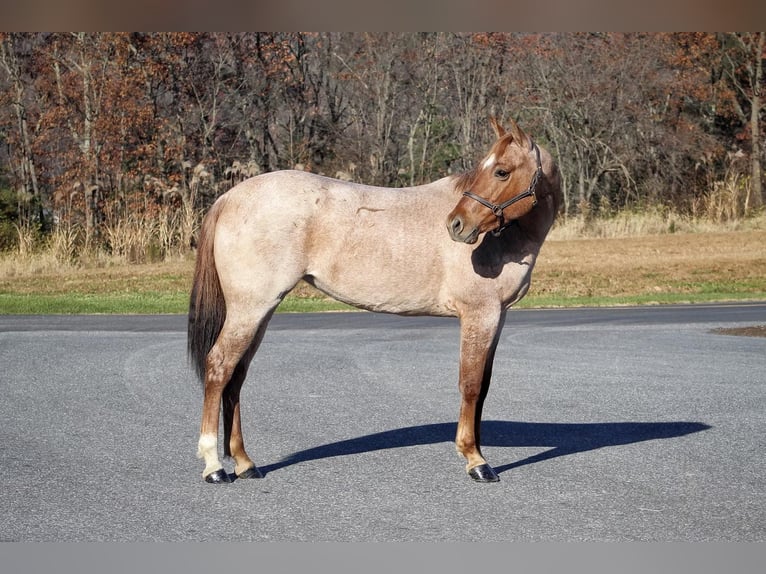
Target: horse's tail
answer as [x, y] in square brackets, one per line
[207, 307]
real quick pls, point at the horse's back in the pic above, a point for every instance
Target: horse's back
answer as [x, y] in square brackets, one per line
[369, 246]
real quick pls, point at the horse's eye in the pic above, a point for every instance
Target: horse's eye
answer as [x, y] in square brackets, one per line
[501, 174]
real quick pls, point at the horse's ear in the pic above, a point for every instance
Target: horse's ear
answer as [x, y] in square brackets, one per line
[519, 136]
[499, 130]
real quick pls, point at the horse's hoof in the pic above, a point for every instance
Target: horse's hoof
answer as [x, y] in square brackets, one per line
[218, 476]
[251, 472]
[483, 473]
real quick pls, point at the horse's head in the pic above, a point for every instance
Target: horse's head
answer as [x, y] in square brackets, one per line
[500, 189]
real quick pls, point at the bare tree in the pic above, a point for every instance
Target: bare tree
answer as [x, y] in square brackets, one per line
[26, 172]
[743, 55]
[580, 90]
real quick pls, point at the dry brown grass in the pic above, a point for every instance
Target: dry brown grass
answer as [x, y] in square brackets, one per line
[648, 222]
[50, 279]
[643, 265]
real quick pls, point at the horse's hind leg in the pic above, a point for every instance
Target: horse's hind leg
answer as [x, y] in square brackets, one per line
[233, 442]
[237, 341]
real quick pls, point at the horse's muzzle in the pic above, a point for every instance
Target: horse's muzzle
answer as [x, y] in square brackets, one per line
[458, 231]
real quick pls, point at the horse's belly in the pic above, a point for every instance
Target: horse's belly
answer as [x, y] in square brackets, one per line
[379, 276]
[374, 290]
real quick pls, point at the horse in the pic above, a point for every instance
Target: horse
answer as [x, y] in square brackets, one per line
[463, 246]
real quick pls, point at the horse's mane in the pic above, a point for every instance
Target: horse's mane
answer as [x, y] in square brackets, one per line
[464, 180]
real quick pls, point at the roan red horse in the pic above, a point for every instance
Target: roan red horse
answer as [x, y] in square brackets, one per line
[379, 249]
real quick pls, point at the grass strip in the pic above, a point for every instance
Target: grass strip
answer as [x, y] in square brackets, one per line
[146, 303]
[149, 303]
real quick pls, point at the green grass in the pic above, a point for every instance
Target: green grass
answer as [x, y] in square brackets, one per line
[146, 303]
[81, 303]
[150, 303]
[679, 292]
[532, 302]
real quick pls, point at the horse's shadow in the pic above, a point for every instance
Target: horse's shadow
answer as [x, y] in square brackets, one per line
[562, 438]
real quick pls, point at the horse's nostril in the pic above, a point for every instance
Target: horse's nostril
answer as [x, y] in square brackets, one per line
[457, 224]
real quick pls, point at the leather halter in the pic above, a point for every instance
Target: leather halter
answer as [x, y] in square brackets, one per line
[498, 208]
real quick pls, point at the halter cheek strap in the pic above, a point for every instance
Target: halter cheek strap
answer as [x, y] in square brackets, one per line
[498, 208]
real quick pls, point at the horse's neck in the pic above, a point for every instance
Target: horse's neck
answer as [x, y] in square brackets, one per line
[536, 224]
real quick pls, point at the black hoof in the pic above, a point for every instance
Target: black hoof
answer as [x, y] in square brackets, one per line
[252, 472]
[483, 473]
[217, 477]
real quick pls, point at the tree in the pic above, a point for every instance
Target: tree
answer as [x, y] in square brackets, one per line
[587, 100]
[742, 57]
[26, 172]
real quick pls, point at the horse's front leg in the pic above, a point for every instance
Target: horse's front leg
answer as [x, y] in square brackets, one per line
[479, 334]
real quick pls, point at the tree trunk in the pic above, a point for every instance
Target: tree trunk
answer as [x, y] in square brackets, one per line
[756, 168]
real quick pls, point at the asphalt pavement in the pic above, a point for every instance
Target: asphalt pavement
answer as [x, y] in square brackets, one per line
[604, 424]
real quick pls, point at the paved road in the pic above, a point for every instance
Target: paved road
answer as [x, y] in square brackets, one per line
[605, 424]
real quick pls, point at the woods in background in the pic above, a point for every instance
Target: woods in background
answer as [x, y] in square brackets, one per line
[118, 141]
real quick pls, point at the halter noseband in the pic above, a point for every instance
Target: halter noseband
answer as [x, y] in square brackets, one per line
[498, 208]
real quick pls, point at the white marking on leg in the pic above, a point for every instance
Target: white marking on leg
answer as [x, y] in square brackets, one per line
[207, 449]
[489, 162]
